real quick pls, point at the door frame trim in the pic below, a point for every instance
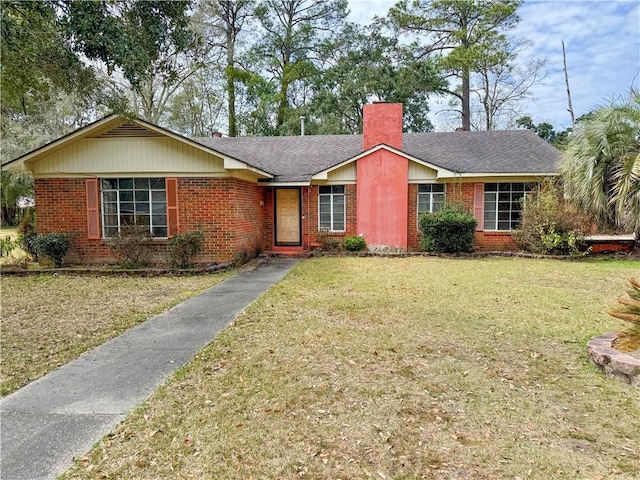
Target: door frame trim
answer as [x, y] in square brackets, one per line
[275, 218]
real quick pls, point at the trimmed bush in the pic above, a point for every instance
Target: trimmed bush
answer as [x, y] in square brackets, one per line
[53, 246]
[133, 247]
[184, 247]
[449, 230]
[354, 243]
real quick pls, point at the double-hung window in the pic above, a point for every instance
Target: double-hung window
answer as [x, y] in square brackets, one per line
[430, 197]
[331, 208]
[134, 201]
[503, 204]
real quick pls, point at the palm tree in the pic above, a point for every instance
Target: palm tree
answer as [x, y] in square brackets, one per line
[601, 165]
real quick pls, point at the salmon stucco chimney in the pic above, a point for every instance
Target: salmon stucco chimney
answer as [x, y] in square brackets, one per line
[382, 123]
[383, 179]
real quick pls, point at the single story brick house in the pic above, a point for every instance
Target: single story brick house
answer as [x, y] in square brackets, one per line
[252, 194]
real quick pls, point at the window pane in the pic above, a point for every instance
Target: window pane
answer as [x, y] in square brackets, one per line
[504, 187]
[110, 196]
[490, 187]
[126, 183]
[338, 188]
[111, 221]
[142, 183]
[325, 200]
[504, 197]
[142, 196]
[127, 219]
[503, 226]
[142, 207]
[423, 203]
[338, 200]
[126, 196]
[143, 220]
[159, 196]
[325, 189]
[159, 231]
[159, 220]
[126, 208]
[110, 231]
[517, 187]
[424, 188]
[157, 183]
[490, 197]
[437, 187]
[109, 183]
[159, 208]
[110, 208]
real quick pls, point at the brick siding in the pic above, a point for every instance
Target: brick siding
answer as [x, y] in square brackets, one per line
[228, 210]
[235, 215]
[463, 193]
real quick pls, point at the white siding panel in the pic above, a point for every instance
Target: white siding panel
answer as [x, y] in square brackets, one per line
[419, 172]
[128, 155]
[343, 174]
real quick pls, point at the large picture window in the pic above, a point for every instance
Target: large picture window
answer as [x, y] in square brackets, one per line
[431, 197]
[331, 208]
[134, 201]
[503, 204]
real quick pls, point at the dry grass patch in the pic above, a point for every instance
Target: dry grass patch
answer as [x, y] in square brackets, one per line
[396, 369]
[50, 319]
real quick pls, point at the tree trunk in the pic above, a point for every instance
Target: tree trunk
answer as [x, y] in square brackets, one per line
[231, 88]
[466, 107]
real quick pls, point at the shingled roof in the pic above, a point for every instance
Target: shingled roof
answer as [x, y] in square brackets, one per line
[297, 159]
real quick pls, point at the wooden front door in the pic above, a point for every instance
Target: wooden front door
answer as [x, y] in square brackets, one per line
[287, 216]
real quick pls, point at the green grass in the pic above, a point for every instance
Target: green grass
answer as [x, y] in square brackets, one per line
[397, 369]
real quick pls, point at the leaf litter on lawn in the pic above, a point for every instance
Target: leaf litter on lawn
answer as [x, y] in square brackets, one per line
[396, 368]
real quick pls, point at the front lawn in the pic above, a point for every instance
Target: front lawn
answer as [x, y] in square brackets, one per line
[397, 369]
[50, 319]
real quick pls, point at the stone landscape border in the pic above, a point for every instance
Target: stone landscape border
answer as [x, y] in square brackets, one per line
[614, 363]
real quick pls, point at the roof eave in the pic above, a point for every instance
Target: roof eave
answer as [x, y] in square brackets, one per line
[441, 172]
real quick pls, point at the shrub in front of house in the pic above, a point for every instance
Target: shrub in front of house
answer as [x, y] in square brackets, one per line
[449, 230]
[6, 246]
[354, 243]
[327, 242]
[133, 247]
[550, 225]
[53, 246]
[184, 247]
[27, 233]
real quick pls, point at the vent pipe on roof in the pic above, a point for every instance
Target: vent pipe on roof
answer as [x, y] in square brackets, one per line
[302, 119]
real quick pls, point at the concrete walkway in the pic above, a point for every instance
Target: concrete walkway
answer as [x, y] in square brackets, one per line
[60, 416]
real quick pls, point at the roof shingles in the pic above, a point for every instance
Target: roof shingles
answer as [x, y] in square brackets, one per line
[297, 159]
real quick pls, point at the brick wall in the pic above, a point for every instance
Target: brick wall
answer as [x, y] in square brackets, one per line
[310, 214]
[228, 210]
[61, 207]
[230, 213]
[463, 193]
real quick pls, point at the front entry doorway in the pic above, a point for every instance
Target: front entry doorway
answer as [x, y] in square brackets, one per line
[288, 217]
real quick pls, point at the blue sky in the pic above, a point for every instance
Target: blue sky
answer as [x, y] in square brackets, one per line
[602, 39]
